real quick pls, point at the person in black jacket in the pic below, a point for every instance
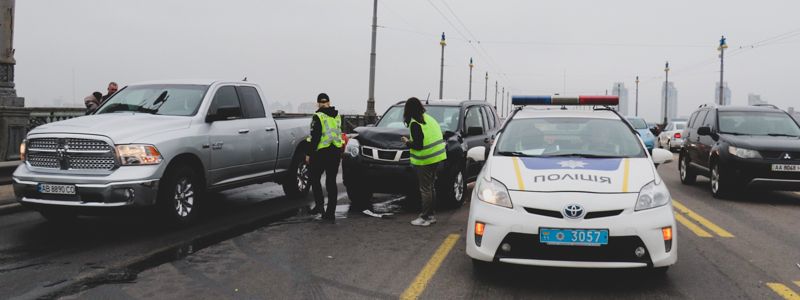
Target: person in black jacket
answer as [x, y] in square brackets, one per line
[324, 155]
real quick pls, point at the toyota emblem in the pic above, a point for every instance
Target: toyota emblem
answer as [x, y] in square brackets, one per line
[574, 211]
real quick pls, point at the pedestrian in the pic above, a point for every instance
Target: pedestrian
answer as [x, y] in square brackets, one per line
[427, 147]
[92, 102]
[324, 155]
[112, 88]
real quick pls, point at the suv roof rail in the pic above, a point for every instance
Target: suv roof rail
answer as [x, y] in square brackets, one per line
[766, 105]
[712, 105]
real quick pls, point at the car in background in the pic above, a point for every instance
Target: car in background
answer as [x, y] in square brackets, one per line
[740, 147]
[570, 188]
[671, 138]
[641, 127]
[376, 161]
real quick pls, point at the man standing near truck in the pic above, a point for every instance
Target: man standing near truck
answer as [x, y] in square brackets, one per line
[324, 155]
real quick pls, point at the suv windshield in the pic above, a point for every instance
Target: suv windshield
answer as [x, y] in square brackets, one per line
[159, 99]
[638, 123]
[757, 123]
[447, 116]
[569, 137]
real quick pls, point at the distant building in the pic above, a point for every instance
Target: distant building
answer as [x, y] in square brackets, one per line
[619, 90]
[754, 99]
[672, 102]
[726, 98]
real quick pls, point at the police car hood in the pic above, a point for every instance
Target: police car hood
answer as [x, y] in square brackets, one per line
[573, 174]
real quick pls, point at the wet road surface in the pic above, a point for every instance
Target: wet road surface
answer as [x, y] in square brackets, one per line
[745, 248]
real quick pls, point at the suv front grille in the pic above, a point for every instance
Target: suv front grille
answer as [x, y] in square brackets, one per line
[780, 155]
[70, 154]
[385, 154]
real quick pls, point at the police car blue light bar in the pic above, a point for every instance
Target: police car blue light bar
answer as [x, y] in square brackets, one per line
[556, 100]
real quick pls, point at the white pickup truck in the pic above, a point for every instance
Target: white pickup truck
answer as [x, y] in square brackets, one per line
[163, 144]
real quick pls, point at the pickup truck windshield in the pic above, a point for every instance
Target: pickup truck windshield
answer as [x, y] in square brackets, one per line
[568, 137]
[161, 99]
[447, 116]
[757, 123]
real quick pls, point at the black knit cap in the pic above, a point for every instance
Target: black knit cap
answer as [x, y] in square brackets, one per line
[322, 97]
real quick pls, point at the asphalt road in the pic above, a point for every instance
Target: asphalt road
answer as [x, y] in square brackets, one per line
[260, 245]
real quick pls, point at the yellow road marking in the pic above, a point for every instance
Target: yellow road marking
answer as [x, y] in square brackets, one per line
[700, 219]
[421, 281]
[783, 291]
[626, 175]
[520, 182]
[694, 228]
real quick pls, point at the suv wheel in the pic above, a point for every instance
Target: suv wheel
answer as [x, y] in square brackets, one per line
[298, 179]
[688, 176]
[453, 191]
[180, 196]
[721, 185]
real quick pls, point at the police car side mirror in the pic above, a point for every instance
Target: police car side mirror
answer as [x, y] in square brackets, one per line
[477, 153]
[661, 156]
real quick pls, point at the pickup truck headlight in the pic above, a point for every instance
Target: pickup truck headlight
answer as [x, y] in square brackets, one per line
[22, 148]
[743, 153]
[352, 148]
[138, 155]
[652, 195]
[493, 192]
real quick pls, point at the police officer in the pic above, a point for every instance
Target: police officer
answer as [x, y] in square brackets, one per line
[324, 155]
[427, 147]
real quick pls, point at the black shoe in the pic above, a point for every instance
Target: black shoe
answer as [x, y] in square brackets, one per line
[315, 211]
[329, 219]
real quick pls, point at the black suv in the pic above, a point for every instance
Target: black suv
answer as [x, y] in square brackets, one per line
[741, 147]
[376, 161]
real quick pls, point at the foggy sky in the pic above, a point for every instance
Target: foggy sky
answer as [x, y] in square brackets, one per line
[296, 49]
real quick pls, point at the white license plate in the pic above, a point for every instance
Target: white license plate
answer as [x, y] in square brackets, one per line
[59, 189]
[786, 168]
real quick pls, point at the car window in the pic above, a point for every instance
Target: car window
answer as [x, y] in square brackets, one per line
[638, 123]
[251, 102]
[757, 123]
[679, 126]
[489, 116]
[709, 120]
[225, 97]
[159, 99]
[692, 118]
[447, 116]
[698, 122]
[473, 118]
[568, 137]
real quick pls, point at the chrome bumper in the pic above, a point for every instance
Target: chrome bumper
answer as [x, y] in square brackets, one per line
[116, 194]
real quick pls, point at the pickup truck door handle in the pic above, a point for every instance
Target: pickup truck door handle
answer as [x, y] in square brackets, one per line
[244, 131]
[270, 128]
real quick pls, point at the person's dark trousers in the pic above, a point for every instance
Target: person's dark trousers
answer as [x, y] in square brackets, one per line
[325, 160]
[427, 179]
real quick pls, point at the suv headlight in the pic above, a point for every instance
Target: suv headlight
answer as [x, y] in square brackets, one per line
[352, 147]
[743, 153]
[493, 192]
[652, 196]
[138, 155]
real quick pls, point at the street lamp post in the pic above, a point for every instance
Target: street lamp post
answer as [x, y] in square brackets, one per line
[486, 88]
[666, 91]
[370, 113]
[441, 69]
[471, 65]
[722, 47]
[503, 103]
[495, 95]
[637, 96]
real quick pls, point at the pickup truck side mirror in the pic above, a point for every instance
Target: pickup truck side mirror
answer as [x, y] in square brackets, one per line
[225, 113]
[473, 131]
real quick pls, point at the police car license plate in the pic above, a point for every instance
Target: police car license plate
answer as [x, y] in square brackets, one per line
[573, 237]
[60, 189]
[785, 168]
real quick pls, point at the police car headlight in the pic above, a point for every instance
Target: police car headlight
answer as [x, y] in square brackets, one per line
[743, 153]
[652, 196]
[352, 147]
[493, 192]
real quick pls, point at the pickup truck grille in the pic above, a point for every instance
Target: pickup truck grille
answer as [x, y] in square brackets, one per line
[70, 154]
[385, 154]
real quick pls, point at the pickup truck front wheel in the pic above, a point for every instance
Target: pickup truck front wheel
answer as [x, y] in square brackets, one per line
[179, 197]
[297, 182]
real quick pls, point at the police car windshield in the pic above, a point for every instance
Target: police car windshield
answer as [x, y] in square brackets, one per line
[447, 116]
[542, 137]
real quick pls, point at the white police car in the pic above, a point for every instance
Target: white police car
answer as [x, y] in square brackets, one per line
[571, 188]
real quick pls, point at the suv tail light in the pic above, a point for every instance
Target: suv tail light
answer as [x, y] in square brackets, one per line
[677, 135]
